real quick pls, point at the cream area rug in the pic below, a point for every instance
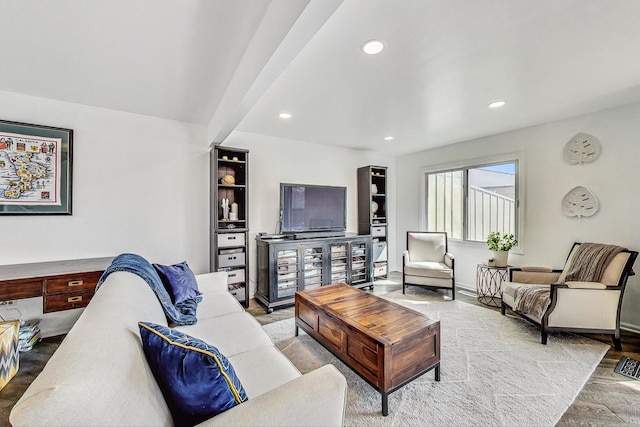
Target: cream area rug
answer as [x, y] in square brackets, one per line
[494, 371]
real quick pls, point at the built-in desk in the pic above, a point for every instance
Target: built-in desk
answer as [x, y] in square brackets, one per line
[62, 284]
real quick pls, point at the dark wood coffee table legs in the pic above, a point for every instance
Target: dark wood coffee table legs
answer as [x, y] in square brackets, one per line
[385, 404]
[385, 395]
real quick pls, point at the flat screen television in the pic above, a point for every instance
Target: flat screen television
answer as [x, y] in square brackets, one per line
[312, 208]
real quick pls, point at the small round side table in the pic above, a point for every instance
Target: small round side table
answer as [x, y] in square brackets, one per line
[489, 284]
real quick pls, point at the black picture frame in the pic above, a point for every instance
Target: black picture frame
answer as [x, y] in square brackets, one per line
[48, 170]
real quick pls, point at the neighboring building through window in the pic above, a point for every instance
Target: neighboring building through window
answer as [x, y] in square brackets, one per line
[470, 202]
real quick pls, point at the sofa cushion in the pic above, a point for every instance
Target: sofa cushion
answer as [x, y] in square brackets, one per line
[232, 334]
[257, 380]
[216, 304]
[179, 281]
[436, 270]
[197, 381]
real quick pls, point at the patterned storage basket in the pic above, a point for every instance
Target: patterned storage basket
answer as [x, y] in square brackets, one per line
[9, 355]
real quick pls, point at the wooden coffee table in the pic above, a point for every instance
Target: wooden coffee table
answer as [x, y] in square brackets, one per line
[387, 344]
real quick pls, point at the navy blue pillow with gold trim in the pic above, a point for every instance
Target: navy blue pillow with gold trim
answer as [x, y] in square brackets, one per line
[197, 381]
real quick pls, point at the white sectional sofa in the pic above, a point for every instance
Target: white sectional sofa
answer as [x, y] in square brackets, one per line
[99, 375]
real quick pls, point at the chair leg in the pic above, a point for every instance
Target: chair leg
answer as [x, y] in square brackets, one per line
[503, 309]
[616, 341]
[543, 339]
[403, 285]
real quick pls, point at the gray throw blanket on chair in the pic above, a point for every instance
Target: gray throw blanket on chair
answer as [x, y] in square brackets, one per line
[532, 300]
[589, 262]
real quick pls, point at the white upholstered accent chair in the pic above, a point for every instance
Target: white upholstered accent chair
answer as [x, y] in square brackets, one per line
[573, 306]
[427, 262]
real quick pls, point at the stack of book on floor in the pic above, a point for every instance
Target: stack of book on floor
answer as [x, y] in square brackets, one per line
[29, 335]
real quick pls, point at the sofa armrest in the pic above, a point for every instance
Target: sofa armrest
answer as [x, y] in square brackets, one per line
[211, 282]
[449, 259]
[314, 399]
[586, 285]
[519, 275]
[584, 307]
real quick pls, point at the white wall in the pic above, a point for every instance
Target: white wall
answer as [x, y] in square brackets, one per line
[140, 184]
[548, 233]
[275, 160]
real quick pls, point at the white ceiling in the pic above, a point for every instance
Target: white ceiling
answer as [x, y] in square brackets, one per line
[235, 64]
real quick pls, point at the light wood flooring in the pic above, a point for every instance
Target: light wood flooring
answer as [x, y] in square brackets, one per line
[607, 399]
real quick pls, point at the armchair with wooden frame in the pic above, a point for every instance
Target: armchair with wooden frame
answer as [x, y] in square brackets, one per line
[570, 305]
[427, 262]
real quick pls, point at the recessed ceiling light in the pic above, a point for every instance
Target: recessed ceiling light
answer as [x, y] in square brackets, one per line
[372, 47]
[497, 104]
[388, 138]
[284, 115]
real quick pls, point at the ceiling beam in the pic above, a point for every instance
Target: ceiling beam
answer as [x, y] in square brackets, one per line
[284, 31]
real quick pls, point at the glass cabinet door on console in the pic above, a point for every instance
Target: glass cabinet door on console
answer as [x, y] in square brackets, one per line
[287, 272]
[339, 260]
[359, 263]
[312, 267]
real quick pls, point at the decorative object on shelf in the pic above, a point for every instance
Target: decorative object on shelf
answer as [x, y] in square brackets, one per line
[374, 207]
[233, 215]
[500, 245]
[225, 209]
[35, 169]
[580, 201]
[582, 148]
[374, 189]
[228, 180]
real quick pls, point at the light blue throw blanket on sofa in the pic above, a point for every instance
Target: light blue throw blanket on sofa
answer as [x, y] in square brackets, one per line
[182, 314]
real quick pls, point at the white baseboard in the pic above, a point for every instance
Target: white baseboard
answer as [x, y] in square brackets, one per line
[465, 286]
[629, 327]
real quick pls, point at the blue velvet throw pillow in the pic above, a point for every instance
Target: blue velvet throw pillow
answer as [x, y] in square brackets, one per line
[179, 281]
[197, 381]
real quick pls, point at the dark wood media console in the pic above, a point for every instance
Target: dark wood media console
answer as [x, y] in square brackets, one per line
[288, 265]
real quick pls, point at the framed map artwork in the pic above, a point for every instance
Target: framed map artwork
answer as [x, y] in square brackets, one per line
[35, 169]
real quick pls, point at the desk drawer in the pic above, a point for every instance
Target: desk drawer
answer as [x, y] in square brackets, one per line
[72, 283]
[66, 301]
[20, 289]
